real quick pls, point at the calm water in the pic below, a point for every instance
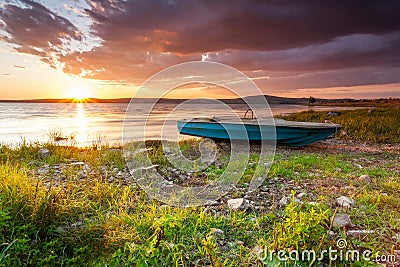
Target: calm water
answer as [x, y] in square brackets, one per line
[93, 122]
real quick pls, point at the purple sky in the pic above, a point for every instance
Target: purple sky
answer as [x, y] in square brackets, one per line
[328, 48]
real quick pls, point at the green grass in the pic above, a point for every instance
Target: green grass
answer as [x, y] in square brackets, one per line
[100, 222]
[382, 125]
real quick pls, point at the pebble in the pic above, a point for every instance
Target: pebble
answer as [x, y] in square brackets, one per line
[238, 203]
[79, 163]
[345, 202]
[217, 233]
[43, 153]
[284, 201]
[358, 233]
[365, 178]
[298, 201]
[301, 195]
[342, 220]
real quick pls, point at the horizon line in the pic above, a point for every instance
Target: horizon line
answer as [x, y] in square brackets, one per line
[125, 99]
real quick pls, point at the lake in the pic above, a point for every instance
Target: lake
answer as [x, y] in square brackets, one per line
[89, 123]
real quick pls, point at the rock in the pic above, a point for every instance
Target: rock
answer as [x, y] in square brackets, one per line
[43, 170]
[209, 210]
[78, 224]
[342, 220]
[365, 178]
[333, 113]
[300, 195]
[284, 201]
[345, 202]
[217, 233]
[213, 203]
[79, 163]
[238, 203]
[358, 165]
[359, 233]
[264, 188]
[298, 201]
[43, 153]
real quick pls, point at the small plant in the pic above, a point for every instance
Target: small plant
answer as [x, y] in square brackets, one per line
[57, 134]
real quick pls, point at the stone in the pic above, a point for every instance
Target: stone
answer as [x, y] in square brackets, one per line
[79, 163]
[238, 203]
[358, 165]
[301, 195]
[345, 202]
[284, 201]
[365, 178]
[342, 220]
[43, 153]
[333, 113]
[44, 170]
[217, 233]
[359, 233]
[298, 201]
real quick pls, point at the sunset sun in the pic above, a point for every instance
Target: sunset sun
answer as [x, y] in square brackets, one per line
[78, 94]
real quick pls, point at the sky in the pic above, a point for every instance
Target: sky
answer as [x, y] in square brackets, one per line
[108, 48]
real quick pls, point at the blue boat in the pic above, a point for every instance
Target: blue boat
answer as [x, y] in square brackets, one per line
[286, 133]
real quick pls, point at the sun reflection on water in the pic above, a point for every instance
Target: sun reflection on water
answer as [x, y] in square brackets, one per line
[81, 121]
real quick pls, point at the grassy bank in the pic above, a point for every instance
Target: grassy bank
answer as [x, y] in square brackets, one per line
[81, 207]
[380, 125]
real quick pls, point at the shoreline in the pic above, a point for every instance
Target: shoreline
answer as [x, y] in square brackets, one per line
[304, 179]
[82, 205]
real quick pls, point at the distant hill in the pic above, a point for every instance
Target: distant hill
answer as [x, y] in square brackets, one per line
[251, 99]
[248, 99]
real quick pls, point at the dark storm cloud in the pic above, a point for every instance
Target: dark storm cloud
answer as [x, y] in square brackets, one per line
[289, 81]
[202, 26]
[315, 39]
[358, 50]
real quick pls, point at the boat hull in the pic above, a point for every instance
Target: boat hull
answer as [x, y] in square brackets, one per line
[285, 134]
